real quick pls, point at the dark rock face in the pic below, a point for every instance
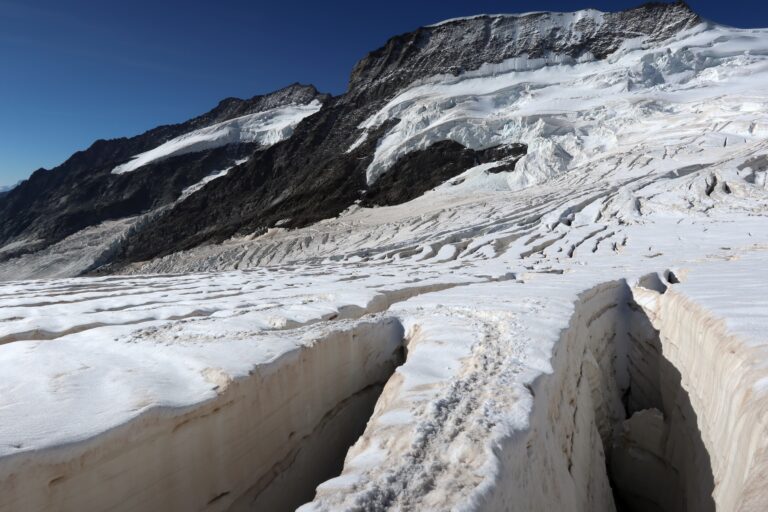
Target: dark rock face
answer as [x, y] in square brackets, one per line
[420, 171]
[311, 176]
[82, 192]
[92, 199]
[465, 44]
[302, 180]
[274, 186]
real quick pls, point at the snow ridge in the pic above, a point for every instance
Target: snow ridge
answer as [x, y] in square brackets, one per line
[265, 128]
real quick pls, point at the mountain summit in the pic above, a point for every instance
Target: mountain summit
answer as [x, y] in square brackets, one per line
[464, 44]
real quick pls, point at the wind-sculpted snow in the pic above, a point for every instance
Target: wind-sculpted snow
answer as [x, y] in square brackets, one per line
[553, 324]
[264, 128]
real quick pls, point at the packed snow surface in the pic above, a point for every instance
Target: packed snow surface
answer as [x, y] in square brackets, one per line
[652, 163]
[265, 128]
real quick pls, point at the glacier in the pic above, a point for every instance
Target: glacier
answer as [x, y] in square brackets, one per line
[584, 332]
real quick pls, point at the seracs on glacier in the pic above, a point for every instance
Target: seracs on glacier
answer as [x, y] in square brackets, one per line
[569, 112]
[487, 346]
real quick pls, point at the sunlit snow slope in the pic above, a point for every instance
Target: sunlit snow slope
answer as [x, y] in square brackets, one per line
[264, 128]
[586, 328]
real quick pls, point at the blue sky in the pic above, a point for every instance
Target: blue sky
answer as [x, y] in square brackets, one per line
[73, 71]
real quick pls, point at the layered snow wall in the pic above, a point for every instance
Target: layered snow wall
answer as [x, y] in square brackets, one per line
[613, 427]
[262, 443]
[649, 405]
[646, 399]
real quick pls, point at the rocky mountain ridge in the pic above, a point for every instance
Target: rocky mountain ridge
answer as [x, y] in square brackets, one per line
[321, 170]
[82, 192]
[464, 44]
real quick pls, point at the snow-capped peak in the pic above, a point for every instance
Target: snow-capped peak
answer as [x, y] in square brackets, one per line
[463, 44]
[565, 109]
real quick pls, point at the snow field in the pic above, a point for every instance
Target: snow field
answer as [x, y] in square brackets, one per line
[266, 128]
[508, 428]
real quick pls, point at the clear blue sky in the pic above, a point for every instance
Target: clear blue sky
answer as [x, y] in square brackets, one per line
[72, 71]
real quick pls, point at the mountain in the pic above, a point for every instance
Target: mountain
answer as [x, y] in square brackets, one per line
[7, 188]
[326, 166]
[519, 265]
[307, 178]
[120, 178]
